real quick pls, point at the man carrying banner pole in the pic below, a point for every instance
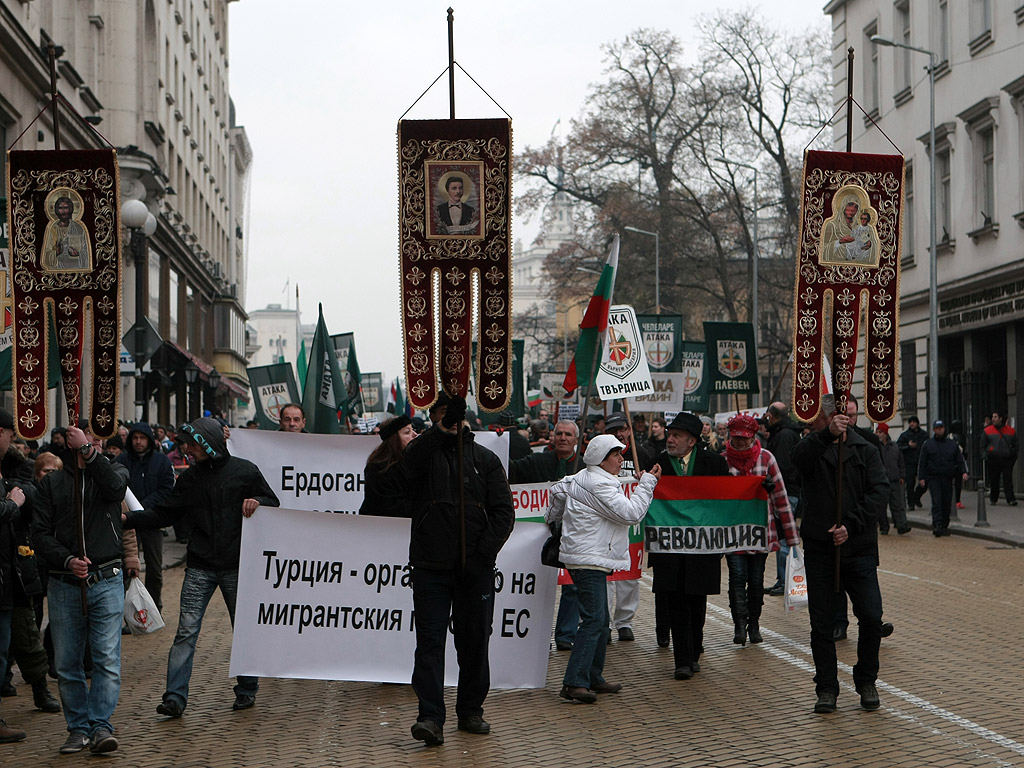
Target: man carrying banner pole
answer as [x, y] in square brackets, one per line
[682, 583]
[861, 494]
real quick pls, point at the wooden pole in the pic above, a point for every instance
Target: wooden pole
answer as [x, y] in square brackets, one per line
[52, 50]
[632, 439]
[451, 63]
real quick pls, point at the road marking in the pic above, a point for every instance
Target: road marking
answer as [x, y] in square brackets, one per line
[725, 619]
[949, 587]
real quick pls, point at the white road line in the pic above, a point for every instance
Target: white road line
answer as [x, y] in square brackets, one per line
[944, 714]
[949, 587]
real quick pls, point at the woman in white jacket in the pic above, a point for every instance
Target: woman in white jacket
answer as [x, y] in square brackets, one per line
[595, 516]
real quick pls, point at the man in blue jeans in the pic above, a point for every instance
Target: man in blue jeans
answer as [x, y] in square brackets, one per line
[87, 707]
[854, 540]
[216, 492]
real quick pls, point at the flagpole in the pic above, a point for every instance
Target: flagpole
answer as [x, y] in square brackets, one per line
[632, 438]
[586, 400]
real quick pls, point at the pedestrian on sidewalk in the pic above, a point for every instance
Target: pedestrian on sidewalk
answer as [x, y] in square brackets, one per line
[999, 448]
[87, 707]
[941, 458]
[895, 471]
[910, 443]
[453, 547]
[746, 569]
[215, 494]
[854, 540]
[595, 517]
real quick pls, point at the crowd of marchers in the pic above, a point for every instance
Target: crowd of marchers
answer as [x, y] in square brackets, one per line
[186, 481]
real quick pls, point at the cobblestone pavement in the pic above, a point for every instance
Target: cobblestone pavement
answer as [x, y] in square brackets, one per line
[949, 687]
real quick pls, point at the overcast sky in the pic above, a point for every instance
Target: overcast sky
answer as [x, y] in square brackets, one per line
[320, 88]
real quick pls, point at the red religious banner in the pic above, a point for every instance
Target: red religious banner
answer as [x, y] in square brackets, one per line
[65, 244]
[848, 280]
[455, 197]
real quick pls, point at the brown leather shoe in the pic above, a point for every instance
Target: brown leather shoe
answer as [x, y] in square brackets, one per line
[579, 694]
[9, 735]
[605, 687]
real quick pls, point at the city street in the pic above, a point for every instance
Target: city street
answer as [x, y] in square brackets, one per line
[949, 687]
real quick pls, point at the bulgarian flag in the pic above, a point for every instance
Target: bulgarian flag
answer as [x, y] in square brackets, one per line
[708, 515]
[533, 398]
[593, 327]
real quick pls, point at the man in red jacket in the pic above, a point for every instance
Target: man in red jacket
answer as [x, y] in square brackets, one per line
[999, 447]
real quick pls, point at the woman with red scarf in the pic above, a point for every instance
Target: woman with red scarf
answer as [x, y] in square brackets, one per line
[745, 456]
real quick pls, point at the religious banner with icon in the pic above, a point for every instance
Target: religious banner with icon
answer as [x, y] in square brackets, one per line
[65, 245]
[455, 200]
[848, 270]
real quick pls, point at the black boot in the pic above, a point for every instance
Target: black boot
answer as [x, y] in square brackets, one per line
[754, 631]
[740, 635]
[42, 697]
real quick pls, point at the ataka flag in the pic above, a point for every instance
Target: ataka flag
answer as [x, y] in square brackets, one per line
[708, 515]
[323, 393]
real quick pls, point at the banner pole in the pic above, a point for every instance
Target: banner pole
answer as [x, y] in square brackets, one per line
[52, 50]
[586, 401]
[632, 439]
[451, 63]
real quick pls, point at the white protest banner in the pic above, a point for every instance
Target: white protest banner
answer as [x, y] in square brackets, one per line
[724, 416]
[624, 371]
[667, 394]
[328, 597]
[322, 473]
[568, 411]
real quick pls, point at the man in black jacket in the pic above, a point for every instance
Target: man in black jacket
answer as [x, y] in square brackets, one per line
[682, 583]
[151, 478]
[854, 540]
[453, 566]
[910, 442]
[941, 459]
[11, 503]
[87, 708]
[216, 492]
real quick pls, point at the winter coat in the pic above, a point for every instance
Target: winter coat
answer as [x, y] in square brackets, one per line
[434, 500]
[211, 493]
[892, 460]
[941, 457]
[911, 456]
[782, 436]
[23, 581]
[151, 476]
[698, 574]
[596, 516]
[865, 491]
[541, 467]
[54, 530]
[999, 443]
[386, 491]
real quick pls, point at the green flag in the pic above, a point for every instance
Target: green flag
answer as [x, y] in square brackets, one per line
[731, 358]
[301, 365]
[348, 364]
[319, 398]
[273, 387]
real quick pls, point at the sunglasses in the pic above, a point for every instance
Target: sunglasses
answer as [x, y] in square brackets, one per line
[190, 430]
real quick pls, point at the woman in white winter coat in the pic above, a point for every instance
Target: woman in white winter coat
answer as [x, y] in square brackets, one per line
[595, 516]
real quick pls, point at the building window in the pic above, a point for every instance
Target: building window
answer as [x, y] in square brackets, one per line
[154, 288]
[980, 25]
[987, 177]
[871, 95]
[902, 31]
[172, 305]
[942, 36]
[908, 216]
[943, 181]
[908, 378]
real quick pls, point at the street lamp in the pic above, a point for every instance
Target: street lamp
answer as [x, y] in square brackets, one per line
[657, 265]
[933, 286]
[141, 224]
[757, 254]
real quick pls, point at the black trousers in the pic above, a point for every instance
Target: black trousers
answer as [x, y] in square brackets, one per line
[467, 598]
[1000, 468]
[686, 622]
[151, 541]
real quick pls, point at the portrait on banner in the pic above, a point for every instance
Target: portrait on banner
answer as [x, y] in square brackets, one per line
[850, 235]
[454, 199]
[66, 246]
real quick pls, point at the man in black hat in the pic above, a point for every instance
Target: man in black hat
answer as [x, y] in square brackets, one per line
[682, 583]
[624, 595]
[941, 459]
[910, 442]
[215, 493]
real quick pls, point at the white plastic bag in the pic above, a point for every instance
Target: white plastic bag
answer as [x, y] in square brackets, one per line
[140, 611]
[796, 580]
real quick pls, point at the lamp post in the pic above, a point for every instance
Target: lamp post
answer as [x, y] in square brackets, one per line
[141, 224]
[657, 265]
[191, 377]
[933, 286]
[213, 381]
[757, 251]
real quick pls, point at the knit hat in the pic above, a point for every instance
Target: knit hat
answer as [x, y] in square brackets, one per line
[507, 419]
[883, 427]
[614, 421]
[392, 426]
[742, 425]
